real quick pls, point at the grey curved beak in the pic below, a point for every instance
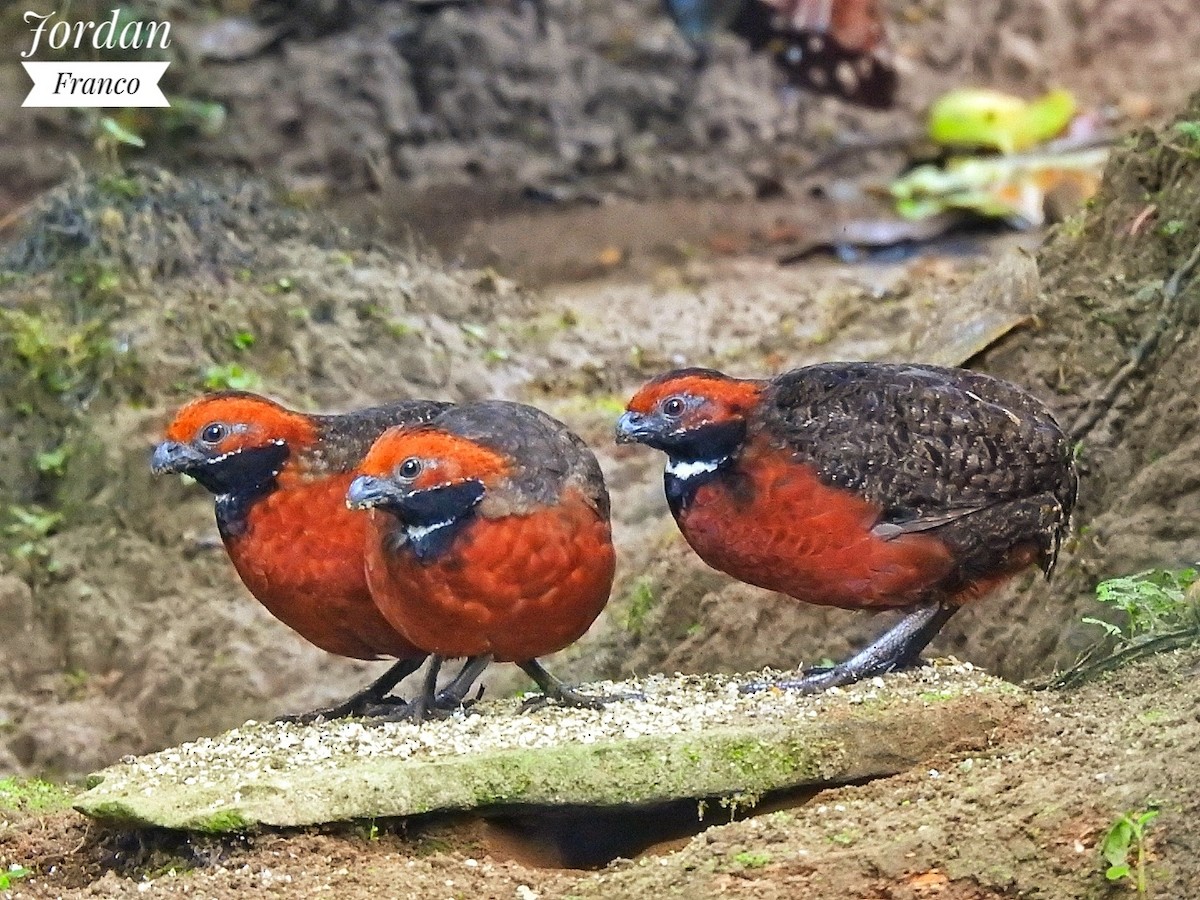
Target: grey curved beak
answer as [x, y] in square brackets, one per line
[368, 491]
[634, 427]
[172, 456]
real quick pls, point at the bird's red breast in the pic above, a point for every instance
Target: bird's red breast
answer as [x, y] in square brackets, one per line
[490, 532]
[518, 586]
[774, 524]
[301, 556]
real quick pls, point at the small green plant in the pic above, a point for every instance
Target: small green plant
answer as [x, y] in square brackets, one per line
[230, 376]
[479, 335]
[1124, 849]
[369, 830]
[1154, 601]
[398, 329]
[740, 802]
[188, 116]
[96, 281]
[32, 795]
[62, 359]
[1189, 130]
[1161, 609]
[638, 603]
[53, 462]
[1173, 227]
[119, 187]
[76, 681]
[243, 339]
[752, 859]
[27, 530]
[13, 873]
[112, 131]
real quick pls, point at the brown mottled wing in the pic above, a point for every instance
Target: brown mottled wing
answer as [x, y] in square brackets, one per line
[975, 460]
[345, 439]
[552, 455]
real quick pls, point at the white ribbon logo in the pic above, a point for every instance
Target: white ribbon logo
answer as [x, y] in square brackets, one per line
[95, 84]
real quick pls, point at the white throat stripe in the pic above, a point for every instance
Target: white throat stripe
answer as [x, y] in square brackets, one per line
[683, 470]
[416, 533]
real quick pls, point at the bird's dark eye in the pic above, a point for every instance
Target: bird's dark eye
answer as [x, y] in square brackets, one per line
[673, 406]
[410, 468]
[213, 433]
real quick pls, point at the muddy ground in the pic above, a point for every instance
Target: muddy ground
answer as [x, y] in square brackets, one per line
[123, 294]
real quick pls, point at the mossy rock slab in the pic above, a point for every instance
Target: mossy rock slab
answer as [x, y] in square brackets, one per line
[688, 737]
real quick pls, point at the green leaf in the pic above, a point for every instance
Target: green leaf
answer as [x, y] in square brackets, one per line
[979, 117]
[230, 376]
[1190, 130]
[53, 462]
[1115, 847]
[13, 873]
[1109, 627]
[1154, 600]
[121, 135]
[1116, 873]
[476, 331]
[32, 521]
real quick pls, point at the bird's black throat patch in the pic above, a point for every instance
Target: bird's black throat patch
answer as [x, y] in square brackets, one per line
[432, 518]
[239, 479]
[696, 458]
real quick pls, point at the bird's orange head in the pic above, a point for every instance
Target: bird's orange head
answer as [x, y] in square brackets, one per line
[698, 417]
[232, 442]
[430, 480]
[688, 409]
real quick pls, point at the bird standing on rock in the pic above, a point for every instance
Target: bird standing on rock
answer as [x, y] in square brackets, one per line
[489, 534]
[863, 486]
[280, 480]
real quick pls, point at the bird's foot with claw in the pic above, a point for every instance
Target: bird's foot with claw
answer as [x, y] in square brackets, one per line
[451, 702]
[821, 678]
[417, 711]
[807, 680]
[355, 707]
[813, 682]
[565, 696]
